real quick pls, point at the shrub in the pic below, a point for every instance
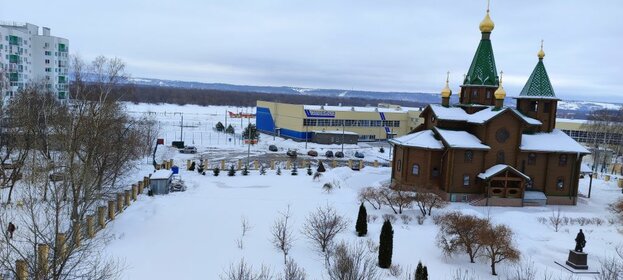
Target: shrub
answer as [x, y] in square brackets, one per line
[232, 171]
[216, 171]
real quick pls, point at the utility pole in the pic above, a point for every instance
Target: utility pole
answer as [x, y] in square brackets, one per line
[342, 136]
[182, 127]
[306, 135]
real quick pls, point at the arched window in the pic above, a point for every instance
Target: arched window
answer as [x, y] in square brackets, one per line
[500, 157]
[399, 165]
[562, 160]
[416, 169]
[531, 159]
[469, 156]
[466, 180]
[435, 172]
[560, 184]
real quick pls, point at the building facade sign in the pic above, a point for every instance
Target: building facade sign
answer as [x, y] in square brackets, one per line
[319, 114]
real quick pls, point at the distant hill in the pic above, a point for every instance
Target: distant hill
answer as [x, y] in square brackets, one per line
[567, 108]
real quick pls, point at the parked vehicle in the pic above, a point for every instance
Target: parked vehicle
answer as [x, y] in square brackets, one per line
[188, 150]
[272, 148]
[312, 153]
[328, 154]
[339, 154]
[291, 153]
[359, 155]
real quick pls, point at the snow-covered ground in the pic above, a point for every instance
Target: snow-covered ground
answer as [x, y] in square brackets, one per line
[192, 235]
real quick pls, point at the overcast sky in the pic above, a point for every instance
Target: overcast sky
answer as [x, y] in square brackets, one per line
[393, 45]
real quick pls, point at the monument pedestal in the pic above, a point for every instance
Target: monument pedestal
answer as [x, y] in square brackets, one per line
[577, 260]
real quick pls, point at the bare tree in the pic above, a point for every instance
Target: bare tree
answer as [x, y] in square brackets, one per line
[282, 233]
[611, 267]
[352, 263]
[396, 199]
[556, 219]
[244, 271]
[427, 201]
[371, 195]
[245, 227]
[323, 225]
[460, 232]
[292, 271]
[617, 208]
[497, 245]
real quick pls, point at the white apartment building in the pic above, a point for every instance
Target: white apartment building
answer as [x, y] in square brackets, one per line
[28, 57]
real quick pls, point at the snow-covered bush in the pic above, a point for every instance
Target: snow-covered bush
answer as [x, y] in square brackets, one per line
[352, 262]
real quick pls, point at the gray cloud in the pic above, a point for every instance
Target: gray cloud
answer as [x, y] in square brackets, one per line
[375, 45]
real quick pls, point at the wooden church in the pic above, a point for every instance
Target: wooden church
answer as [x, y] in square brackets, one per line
[485, 153]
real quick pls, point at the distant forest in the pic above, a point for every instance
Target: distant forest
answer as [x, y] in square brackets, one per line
[204, 97]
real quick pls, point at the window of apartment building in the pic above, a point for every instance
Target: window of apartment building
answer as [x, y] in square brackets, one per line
[435, 172]
[416, 169]
[47, 61]
[48, 69]
[468, 156]
[48, 53]
[531, 159]
[560, 184]
[399, 165]
[466, 180]
[562, 160]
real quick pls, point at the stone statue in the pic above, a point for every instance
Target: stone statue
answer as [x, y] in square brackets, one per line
[580, 242]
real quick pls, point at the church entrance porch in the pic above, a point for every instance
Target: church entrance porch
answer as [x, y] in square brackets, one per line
[504, 185]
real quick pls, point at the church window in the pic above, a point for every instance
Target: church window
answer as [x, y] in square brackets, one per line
[534, 106]
[502, 135]
[469, 155]
[531, 159]
[416, 169]
[560, 183]
[500, 157]
[488, 94]
[562, 160]
[399, 165]
[435, 172]
[475, 94]
[465, 180]
[547, 106]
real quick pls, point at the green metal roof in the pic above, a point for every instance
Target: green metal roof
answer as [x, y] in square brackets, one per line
[482, 71]
[538, 85]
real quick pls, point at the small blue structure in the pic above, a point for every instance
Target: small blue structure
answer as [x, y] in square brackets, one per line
[160, 182]
[175, 169]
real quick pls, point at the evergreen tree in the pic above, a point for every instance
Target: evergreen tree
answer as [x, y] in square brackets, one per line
[320, 167]
[294, 170]
[362, 221]
[278, 170]
[250, 132]
[386, 244]
[219, 127]
[216, 171]
[421, 272]
[232, 171]
[381, 150]
[309, 171]
[262, 170]
[245, 171]
[230, 129]
[192, 166]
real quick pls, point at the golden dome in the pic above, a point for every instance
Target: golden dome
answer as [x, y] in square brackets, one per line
[500, 93]
[446, 91]
[487, 25]
[541, 53]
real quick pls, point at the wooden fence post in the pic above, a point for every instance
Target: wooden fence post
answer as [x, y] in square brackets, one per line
[77, 233]
[272, 164]
[222, 164]
[127, 196]
[188, 164]
[333, 163]
[140, 187]
[119, 202]
[376, 163]
[360, 164]
[111, 210]
[350, 163]
[257, 164]
[90, 227]
[239, 164]
[60, 246]
[43, 251]
[21, 270]
[134, 192]
[101, 216]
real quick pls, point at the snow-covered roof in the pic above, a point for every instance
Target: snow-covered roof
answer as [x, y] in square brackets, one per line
[360, 109]
[161, 174]
[461, 139]
[534, 195]
[555, 141]
[423, 139]
[496, 169]
[480, 117]
[334, 132]
[585, 169]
